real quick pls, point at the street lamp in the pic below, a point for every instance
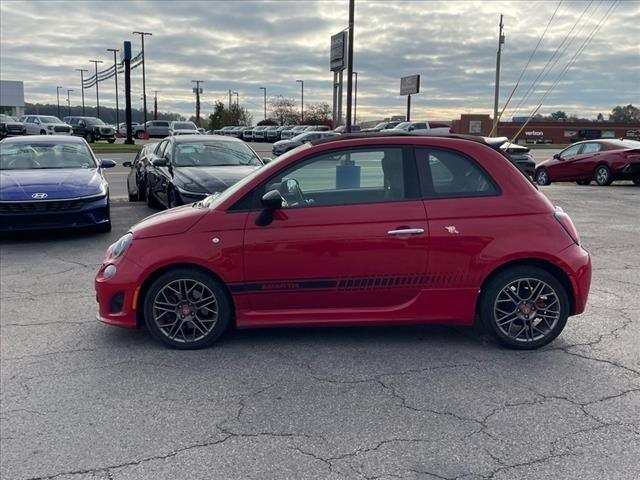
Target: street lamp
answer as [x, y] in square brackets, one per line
[301, 82]
[82, 70]
[115, 71]
[355, 100]
[265, 101]
[237, 98]
[96, 62]
[69, 90]
[58, 99]
[144, 84]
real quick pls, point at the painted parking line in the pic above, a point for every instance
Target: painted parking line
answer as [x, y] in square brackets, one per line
[118, 198]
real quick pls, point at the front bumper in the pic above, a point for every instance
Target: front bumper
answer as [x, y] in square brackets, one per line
[29, 216]
[118, 296]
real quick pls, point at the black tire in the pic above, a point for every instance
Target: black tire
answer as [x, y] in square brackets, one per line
[602, 175]
[151, 200]
[542, 177]
[112, 140]
[636, 181]
[494, 294]
[140, 134]
[215, 325]
[142, 192]
[43, 132]
[583, 182]
[89, 138]
[133, 197]
[172, 199]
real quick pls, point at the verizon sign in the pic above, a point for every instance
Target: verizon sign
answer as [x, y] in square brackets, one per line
[534, 133]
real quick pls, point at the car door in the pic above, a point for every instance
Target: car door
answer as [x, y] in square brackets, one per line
[350, 243]
[459, 199]
[32, 127]
[157, 177]
[585, 163]
[564, 167]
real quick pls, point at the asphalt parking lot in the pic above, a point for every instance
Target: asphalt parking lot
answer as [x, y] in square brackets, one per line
[81, 400]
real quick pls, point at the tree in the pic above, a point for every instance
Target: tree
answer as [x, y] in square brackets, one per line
[558, 116]
[216, 119]
[628, 114]
[600, 118]
[318, 113]
[284, 111]
[222, 117]
[268, 121]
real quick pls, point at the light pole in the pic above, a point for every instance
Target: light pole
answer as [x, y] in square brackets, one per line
[349, 65]
[58, 99]
[497, 86]
[96, 62]
[144, 84]
[69, 90]
[155, 104]
[115, 66]
[355, 100]
[264, 89]
[82, 70]
[197, 92]
[301, 82]
[237, 99]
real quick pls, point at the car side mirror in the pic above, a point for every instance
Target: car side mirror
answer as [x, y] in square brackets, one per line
[412, 128]
[267, 160]
[127, 164]
[557, 156]
[107, 163]
[271, 201]
[36, 121]
[82, 124]
[160, 162]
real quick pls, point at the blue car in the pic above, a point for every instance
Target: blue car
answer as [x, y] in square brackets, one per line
[52, 182]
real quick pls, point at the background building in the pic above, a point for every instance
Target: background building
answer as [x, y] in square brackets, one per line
[11, 98]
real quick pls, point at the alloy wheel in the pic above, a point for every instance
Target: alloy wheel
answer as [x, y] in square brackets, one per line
[542, 177]
[527, 310]
[602, 175]
[185, 310]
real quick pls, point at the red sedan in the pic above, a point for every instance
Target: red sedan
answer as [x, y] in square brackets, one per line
[362, 231]
[601, 160]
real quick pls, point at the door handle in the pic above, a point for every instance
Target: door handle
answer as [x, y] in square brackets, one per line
[406, 231]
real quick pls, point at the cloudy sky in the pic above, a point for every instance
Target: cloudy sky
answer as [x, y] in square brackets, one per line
[244, 45]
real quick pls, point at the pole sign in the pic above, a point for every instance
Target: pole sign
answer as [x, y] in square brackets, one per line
[410, 85]
[338, 44]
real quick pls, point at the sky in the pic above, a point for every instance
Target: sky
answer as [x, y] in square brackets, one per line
[244, 45]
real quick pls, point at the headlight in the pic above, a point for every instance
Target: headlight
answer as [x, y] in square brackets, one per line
[119, 248]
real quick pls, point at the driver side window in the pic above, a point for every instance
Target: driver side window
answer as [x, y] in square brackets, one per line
[342, 177]
[571, 151]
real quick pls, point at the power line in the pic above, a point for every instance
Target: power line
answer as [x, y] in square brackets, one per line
[544, 72]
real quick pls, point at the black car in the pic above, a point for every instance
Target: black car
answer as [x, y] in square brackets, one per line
[11, 127]
[136, 181]
[186, 169]
[284, 146]
[522, 157]
[92, 129]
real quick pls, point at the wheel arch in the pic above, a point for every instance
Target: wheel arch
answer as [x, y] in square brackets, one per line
[546, 265]
[146, 284]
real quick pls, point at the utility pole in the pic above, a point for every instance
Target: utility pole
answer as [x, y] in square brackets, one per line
[155, 104]
[82, 70]
[301, 82]
[355, 100]
[126, 60]
[115, 71]
[237, 99]
[96, 62]
[265, 101]
[497, 92]
[69, 90]
[144, 84]
[229, 99]
[350, 66]
[197, 92]
[58, 98]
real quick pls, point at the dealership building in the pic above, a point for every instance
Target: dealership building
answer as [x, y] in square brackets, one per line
[537, 131]
[11, 98]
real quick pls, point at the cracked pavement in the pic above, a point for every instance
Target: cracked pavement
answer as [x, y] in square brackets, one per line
[81, 400]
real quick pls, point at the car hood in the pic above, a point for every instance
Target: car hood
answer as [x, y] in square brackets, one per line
[210, 179]
[185, 131]
[286, 143]
[169, 222]
[15, 124]
[62, 183]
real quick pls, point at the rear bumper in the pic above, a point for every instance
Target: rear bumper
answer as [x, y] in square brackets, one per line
[628, 172]
[578, 267]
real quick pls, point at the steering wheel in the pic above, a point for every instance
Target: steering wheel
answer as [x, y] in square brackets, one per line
[291, 187]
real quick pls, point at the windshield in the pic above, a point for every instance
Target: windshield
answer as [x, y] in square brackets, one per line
[6, 118]
[302, 137]
[213, 153]
[381, 125]
[184, 126]
[403, 125]
[42, 155]
[93, 121]
[50, 120]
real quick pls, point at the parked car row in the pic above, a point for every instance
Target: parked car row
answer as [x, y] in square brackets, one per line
[10, 127]
[268, 133]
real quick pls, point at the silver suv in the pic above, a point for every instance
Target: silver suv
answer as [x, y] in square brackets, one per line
[45, 125]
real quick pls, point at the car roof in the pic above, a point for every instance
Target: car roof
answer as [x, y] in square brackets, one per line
[44, 139]
[200, 138]
[493, 142]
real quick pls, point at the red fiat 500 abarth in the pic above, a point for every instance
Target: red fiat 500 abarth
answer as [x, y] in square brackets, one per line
[359, 230]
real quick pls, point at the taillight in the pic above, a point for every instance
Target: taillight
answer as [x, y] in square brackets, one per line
[567, 224]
